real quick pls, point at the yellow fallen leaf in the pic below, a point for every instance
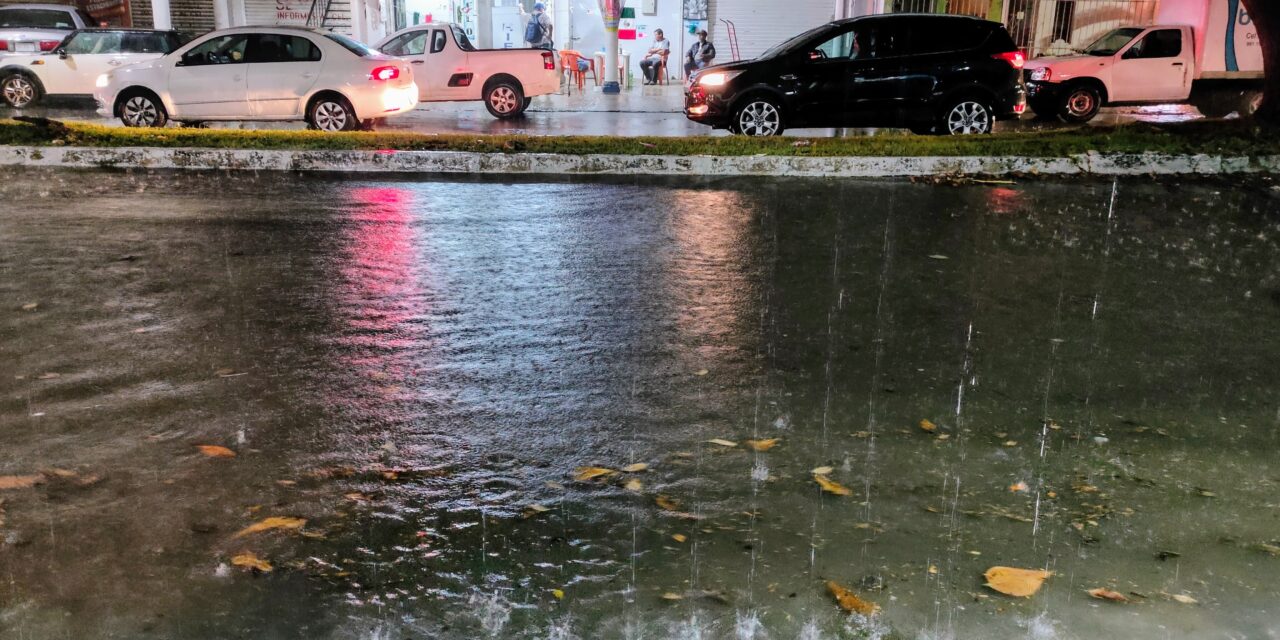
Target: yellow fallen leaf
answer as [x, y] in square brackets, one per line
[722, 442]
[1183, 598]
[763, 445]
[822, 471]
[679, 537]
[1103, 593]
[250, 561]
[1010, 443]
[214, 451]
[634, 485]
[672, 596]
[558, 593]
[831, 486]
[537, 508]
[928, 426]
[20, 482]
[635, 468]
[667, 503]
[701, 372]
[943, 436]
[30, 306]
[284, 523]
[1022, 583]
[850, 602]
[582, 474]
[49, 376]
[933, 570]
[1020, 487]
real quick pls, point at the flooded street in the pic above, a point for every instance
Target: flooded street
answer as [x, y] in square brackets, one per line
[594, 408]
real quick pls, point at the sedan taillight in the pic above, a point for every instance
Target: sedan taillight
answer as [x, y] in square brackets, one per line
[4, 45]
[49, 45]
[385, 73]
[548, 60]
[1014, 58]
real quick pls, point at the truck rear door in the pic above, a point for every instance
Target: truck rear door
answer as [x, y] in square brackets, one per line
[1156, 66]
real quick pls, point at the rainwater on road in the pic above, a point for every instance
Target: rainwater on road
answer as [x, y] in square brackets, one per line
[594, 408]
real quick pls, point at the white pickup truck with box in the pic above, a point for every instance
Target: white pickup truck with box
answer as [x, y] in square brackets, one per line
[1205, 52]
[447, 67]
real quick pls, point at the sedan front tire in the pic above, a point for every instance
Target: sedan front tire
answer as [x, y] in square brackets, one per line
[142, 109]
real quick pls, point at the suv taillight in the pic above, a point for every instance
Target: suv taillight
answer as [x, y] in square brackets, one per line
[1014, 58]
[548, 61]
[49, 45]
[384, 73]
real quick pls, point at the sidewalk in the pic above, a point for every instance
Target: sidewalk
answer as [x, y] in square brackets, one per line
[639, 98]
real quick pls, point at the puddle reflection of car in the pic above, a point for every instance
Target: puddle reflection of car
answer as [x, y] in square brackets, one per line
[72, 68]
[929, 73]
[262, 73]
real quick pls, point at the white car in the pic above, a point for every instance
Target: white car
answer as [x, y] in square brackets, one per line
[261, 73]
[73, 67]
[448, 67]
[31, 28]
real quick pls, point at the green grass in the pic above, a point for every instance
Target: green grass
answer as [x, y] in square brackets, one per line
[1237, 138]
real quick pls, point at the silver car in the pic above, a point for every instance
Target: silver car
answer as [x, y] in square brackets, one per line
[32, 28]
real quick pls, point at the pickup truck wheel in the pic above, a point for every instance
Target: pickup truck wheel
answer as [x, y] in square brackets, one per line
[19, 90]
[504, 99]
[1080, 103]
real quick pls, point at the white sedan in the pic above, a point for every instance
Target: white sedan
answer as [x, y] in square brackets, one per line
[73, 67]
[262, 73]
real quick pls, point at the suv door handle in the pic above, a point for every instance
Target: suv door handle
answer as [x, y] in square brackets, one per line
[1177, 64]
[789, 77]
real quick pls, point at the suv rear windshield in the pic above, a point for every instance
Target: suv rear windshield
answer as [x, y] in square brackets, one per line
[358, 48]
[37, 18]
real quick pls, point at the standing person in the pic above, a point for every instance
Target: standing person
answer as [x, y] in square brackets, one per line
[700, 54]
[538, 31]
[655, 57]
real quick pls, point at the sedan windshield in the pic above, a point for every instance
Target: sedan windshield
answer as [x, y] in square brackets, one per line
[795, 42]
[1111, 43]
[36, 18]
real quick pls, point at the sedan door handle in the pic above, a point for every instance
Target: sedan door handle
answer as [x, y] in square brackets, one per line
[308, 75]
[417, 62]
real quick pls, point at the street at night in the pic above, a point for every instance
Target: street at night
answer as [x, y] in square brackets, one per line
[280, 405]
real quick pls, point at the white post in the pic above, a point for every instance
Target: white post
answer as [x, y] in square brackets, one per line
[611, 12]
[358, 19]
[221, 19]
[160, 15]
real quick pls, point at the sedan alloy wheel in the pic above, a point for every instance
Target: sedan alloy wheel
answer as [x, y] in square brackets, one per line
[141, 111]
[330, 115]
[19, 90]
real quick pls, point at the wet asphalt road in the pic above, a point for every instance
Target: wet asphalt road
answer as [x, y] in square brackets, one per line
[421, 368]
[635, 114]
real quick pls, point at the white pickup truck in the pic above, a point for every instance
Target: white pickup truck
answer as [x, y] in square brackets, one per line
[447, 67]
[1205, 52]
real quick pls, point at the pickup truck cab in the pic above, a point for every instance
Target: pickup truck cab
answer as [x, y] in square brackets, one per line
[73, 67]
[447, 67]
[1212, 59]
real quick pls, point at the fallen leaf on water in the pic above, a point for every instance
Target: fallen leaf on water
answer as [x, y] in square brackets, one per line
[48, 376]
[822, 471]
[944, 436]
[850, 602]
[250, 561]
[722, 442]
[928, 426]
[763, 445]
[831, 486]
[537, 508]
[1206, 493]
[1103, 593]
[1181, 597]
[667, 503]
[1010, 443]
[635, 468]
[679, 537]
[701, 372]
[286, 483]
[1016, 582]
[1020, 487]
[30, 306]
[939, 256]
[672, 596]
[558, 593]
[215, 451]
[285, 523]
[933, 569]
[582, 474]
[356, 496]
[1261, 546]
[20, 482]
[634, 485]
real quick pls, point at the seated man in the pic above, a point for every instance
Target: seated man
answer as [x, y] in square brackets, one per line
[653, 60]
[700, 54]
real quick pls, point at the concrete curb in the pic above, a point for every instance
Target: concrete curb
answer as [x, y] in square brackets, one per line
[1092, 163]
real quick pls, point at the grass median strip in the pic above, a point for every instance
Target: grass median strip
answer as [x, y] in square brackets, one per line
[1234, 138]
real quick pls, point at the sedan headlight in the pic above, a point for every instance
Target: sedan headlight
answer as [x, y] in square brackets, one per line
[103, 80]
[1041, 75]
[716, 78]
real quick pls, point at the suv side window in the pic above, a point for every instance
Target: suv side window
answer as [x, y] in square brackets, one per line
[941, 35]
[884, 40]
[218, 50]
[275, 47]
[1162, 43]
[839, 47]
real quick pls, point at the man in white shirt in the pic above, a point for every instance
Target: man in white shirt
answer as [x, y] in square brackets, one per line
[652, 61]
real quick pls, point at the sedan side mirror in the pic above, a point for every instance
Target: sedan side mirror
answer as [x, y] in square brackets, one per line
[62, 53]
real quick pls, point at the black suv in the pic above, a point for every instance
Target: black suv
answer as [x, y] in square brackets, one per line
[929, 73]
